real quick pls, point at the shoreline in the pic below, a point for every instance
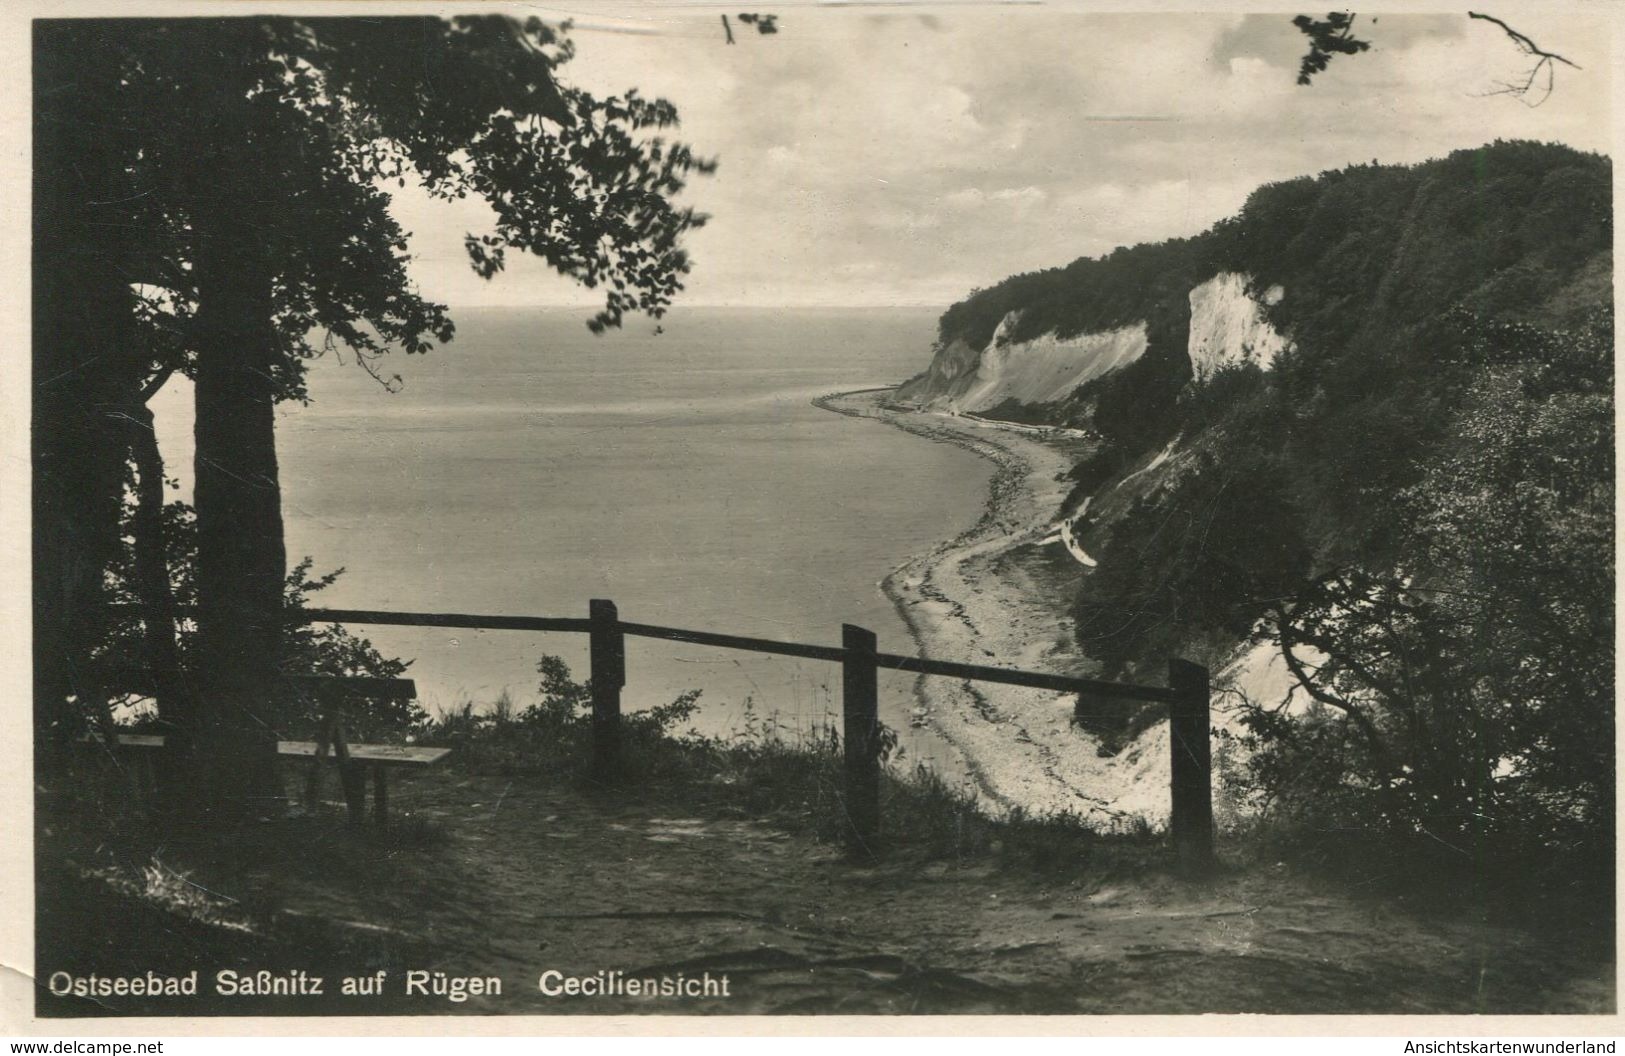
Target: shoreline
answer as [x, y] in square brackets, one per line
[989, 595]
[1005, 476]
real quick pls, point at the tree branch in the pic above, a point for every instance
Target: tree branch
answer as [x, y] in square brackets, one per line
[1294, 664]
[1545, 61]
[1527, 46]
[157, 382]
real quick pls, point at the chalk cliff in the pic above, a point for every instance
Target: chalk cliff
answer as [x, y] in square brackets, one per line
[1041, 370]
[1227, 325]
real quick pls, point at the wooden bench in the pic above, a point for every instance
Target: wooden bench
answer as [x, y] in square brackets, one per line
[374, 759]
[355, 762]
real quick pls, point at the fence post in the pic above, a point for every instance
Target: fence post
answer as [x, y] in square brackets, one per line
[861, 735]
[1191, 820]
[608, 676]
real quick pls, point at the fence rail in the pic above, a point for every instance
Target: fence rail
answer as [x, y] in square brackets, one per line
[433, 619]
[1186, 695]
[833, 653]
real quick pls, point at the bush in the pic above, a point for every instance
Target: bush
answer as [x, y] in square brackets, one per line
[1464, 692]
[554, 733]
[317, 649]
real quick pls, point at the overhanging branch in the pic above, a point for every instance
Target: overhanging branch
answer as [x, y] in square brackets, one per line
[1542, 74]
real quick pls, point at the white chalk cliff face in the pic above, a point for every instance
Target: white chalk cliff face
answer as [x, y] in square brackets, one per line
[1228, 326]
[1047, 368]
[1043, 370]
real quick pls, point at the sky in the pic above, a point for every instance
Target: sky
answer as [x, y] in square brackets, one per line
[886, 155]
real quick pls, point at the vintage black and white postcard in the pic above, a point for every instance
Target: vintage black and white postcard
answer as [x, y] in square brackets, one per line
[887, 511]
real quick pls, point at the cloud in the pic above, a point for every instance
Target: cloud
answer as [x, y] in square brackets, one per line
[1020, 195]
[950, 152]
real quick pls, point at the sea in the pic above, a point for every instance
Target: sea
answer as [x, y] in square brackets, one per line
[679, 469]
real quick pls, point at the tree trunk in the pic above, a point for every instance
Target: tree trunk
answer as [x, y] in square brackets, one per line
[241, 562]
[83, 377]
[172, 691]
[151, 574]
[81, 317]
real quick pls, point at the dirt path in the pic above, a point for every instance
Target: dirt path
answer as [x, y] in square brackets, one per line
[534, 876]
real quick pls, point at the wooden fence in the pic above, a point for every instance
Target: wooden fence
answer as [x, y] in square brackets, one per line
[1186, 695]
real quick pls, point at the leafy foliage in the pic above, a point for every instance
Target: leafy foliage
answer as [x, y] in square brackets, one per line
[1087, 295]
[565, 708]
[555, 733]
[1460, 661]
[332, 110]
[765, 24]
[315, 649]
[1330, 36]
[1199, 557]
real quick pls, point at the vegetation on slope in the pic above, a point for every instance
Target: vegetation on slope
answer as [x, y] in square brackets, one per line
[1415, 505]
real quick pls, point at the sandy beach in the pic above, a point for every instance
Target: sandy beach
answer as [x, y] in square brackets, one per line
[998, 595]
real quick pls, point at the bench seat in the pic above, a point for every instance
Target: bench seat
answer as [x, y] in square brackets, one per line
[376, 758]
[331, 690]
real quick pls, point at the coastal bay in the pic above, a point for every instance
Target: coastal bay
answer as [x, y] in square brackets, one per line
[697, 479]
[529, 466]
